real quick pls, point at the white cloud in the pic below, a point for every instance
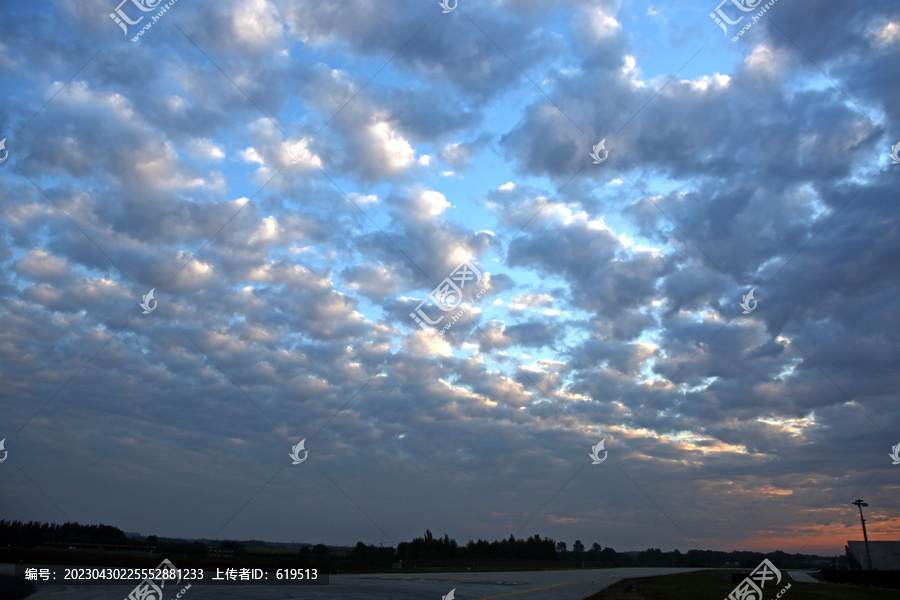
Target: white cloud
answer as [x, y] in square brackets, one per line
[256, 23]
[40, 265]
[527, 301]
[300, 152]
[427, 204]
[395, 151]
[205, 148]
[602, 24]
[889, 33]
[631, 72]
[765, 60]
[705, 82]
[267, 231]
[250, 155]
[361, 199]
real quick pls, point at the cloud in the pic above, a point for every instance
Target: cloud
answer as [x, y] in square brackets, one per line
[285, 288]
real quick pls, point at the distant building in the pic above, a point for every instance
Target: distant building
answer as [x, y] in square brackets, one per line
[885, 555]
[133, 535]
[220, 552]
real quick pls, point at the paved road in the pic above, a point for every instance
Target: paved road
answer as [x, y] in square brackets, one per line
[803, 576]
[521, 585]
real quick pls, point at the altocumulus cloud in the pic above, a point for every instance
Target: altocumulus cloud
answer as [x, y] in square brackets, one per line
[284, 287]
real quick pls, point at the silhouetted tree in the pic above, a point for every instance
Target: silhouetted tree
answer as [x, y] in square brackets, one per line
[359, 552]
[650, 556]
[232, 545]
[428, 547]
[33, 533]
[371, 553]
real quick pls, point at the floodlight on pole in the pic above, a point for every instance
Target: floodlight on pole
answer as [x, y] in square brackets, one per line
[859, 504]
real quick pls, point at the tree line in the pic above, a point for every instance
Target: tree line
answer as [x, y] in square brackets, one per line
[538, 548]
[33, 533]
[19, 533]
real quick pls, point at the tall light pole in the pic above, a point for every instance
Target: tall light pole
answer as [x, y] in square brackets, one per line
[859, 503]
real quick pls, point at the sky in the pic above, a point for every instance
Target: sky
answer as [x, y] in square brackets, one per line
[628, 224]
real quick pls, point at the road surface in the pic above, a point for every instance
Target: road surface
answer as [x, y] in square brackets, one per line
[803, 576]
[520, 585]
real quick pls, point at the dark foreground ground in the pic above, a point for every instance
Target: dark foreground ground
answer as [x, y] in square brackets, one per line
[516, 585]
[645, 583]
[710, 585]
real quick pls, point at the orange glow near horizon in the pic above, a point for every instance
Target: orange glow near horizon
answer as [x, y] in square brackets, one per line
[830, 540]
